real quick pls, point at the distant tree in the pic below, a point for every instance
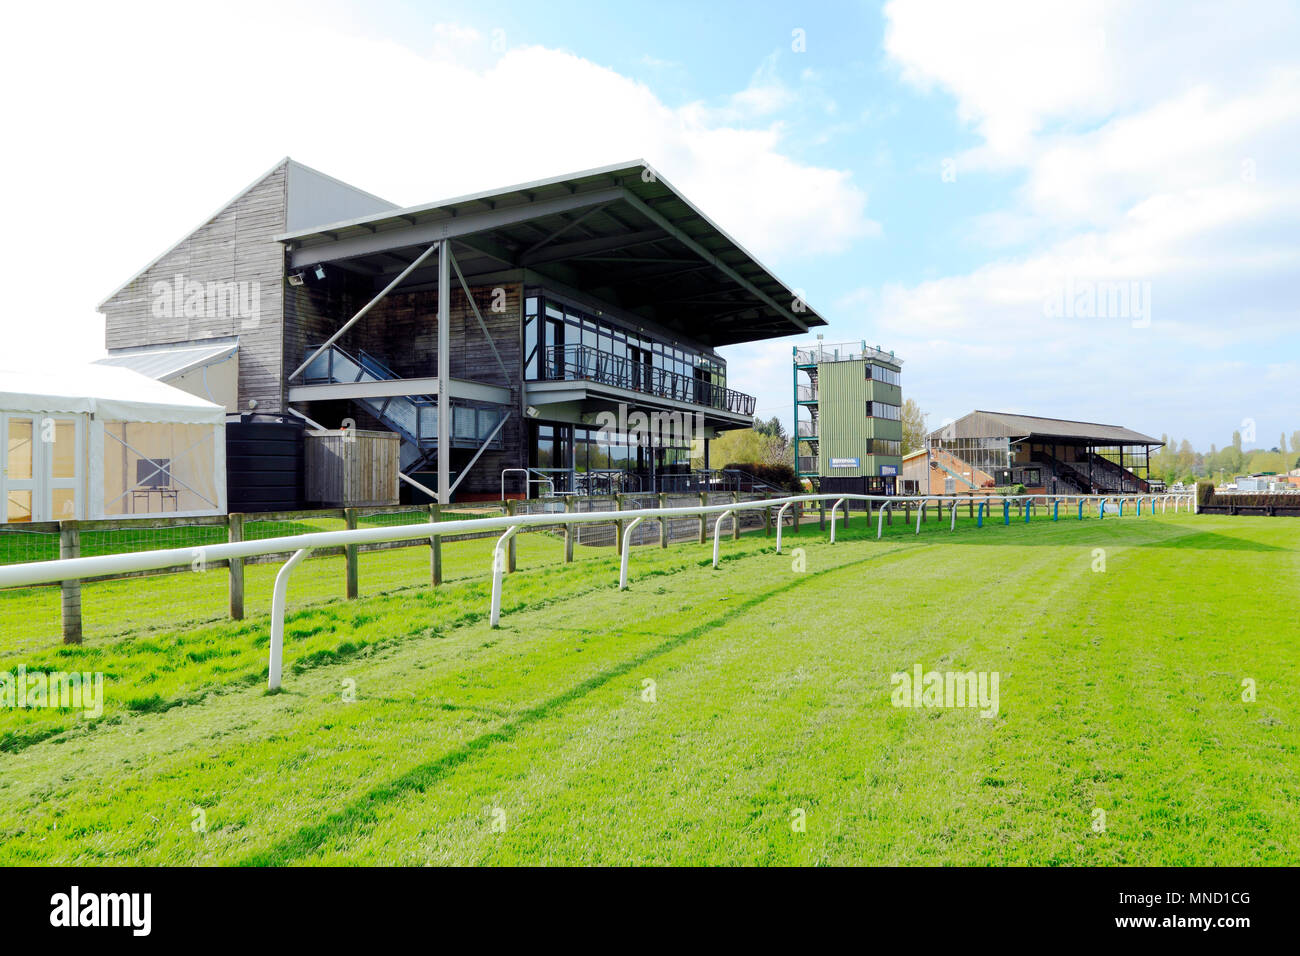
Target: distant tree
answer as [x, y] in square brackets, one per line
[772, 428]
[741, 444]
[913, 426]
[1236, 440]
[747, 445]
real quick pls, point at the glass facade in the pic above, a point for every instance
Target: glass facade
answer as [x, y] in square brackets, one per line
[590, 461]
[565, 343]
[878, 373]
[884, 410]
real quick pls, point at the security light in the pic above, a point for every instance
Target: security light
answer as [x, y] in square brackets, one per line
[295, 278]
[531, 411]
[320, 272]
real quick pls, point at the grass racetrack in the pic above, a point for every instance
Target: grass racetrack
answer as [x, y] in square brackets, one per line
[733, 716]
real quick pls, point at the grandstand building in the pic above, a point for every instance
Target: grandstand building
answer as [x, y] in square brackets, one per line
[491, 333]
[848, 428]
[984, 450]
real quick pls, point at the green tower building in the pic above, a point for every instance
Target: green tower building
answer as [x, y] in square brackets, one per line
[848, 426]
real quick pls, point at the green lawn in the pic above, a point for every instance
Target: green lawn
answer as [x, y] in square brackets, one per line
[770, 704]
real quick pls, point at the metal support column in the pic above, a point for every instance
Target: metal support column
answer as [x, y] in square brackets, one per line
[444, 362]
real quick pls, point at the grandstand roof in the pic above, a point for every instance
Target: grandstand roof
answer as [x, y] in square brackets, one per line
[986, 424]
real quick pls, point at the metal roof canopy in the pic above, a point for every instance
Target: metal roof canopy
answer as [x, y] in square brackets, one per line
[985, 424]
[619, 233]
[168, 361]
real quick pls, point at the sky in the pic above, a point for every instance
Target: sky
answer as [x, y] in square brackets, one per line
[1085, 210]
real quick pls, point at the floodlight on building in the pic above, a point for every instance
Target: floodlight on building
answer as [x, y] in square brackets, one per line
[295, 278]
[320, 272]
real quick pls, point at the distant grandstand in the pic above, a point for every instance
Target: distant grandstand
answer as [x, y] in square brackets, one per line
[1047, 455]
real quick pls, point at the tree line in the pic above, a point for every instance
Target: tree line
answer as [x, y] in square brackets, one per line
[1179, 461]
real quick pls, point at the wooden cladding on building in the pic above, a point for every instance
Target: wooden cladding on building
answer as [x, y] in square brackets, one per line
[224, 279]
[353, 469]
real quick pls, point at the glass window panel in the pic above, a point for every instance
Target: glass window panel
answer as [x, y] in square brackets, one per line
[530, 348]
[20, 449]
[65, 504]
[158, 468]
[65, 450]
[19, 506]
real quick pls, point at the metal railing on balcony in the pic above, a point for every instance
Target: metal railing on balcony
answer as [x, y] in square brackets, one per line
[807, 429]
[584, 363]
[842, 352]
[807, 465]
[806, 393]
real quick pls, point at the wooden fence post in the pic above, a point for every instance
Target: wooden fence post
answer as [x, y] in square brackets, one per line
[797, 510]
[70, 547]
[235, 524]
[821, 512]
[767, 518]
[570, 531]
[512, 508]
[435, 546]
[704, 503]
[350, 551]
[907, 511]
[735, 517]
[618, 525]
[663, 522]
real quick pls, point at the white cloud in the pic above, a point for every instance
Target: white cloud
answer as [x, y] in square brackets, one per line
[1156, 145]
[141, 121]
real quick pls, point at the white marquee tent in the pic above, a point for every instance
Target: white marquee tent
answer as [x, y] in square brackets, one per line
[98, 441]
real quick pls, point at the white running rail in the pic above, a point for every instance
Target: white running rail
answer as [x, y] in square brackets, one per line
[72, 569]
